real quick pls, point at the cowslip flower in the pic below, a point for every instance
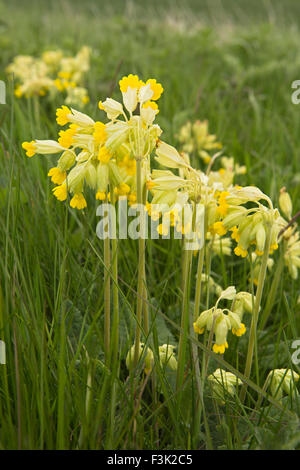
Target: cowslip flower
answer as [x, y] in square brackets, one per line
[282, 381]
[52, 73]
[221, 321]
[223, 383]
[250, 226]
[145, 355]
[195, 138]
[167, 356]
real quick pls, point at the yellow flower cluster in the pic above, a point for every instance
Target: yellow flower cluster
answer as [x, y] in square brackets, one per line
[52, 73]
[196, 139]
[101, 155]
[221, 321]
[166, 355]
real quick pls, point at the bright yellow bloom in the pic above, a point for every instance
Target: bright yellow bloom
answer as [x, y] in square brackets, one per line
[99, 134]
[129, 164]
[78, 201]
[156, 88]
[62, 115]
[220, 348]
[60, 192]
[131, 81]
[57, 175]
[239, 331]
[59, 85]
[131, 199]
[18, 92]
[259, 253]
[30, 148]
[104, 155]
[223, 206]
[198, 330]
[273, 247]
[101, 196]
[239, 251]
[235, 233]
[219, 228]
[66, 137]
[151, 104]
[122, 190]
[163, 229]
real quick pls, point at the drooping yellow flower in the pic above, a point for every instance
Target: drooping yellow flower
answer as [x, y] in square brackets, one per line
[198, 330]
[78, 201]
[235, 233]
[122, 190]
[220, 349]
[239, 331]
[223, 205]
[30, 148]
[57, 175]
[62, 115]
[99, 133]
[101, 196]
[219, 228]
[104, 155]
[239, 251]
[131, 199]
[60, 192]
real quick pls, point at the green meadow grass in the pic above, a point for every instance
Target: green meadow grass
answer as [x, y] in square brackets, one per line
[229, 62]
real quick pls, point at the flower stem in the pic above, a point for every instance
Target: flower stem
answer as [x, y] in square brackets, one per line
[195, 354]
[184, 319]
[141, 266]
[107, 298]
[114, 261]
[253, 328]
[273, 292]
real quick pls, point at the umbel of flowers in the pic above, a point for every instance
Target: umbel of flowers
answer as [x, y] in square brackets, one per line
[95, 154]
[52, 73]
[221, 321]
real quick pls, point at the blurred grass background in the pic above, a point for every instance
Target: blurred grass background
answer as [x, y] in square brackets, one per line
[231, 62]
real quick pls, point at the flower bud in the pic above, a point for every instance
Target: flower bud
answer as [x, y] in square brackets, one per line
[282, 380]
[285, 203]
[167, 356]
[223, 383]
